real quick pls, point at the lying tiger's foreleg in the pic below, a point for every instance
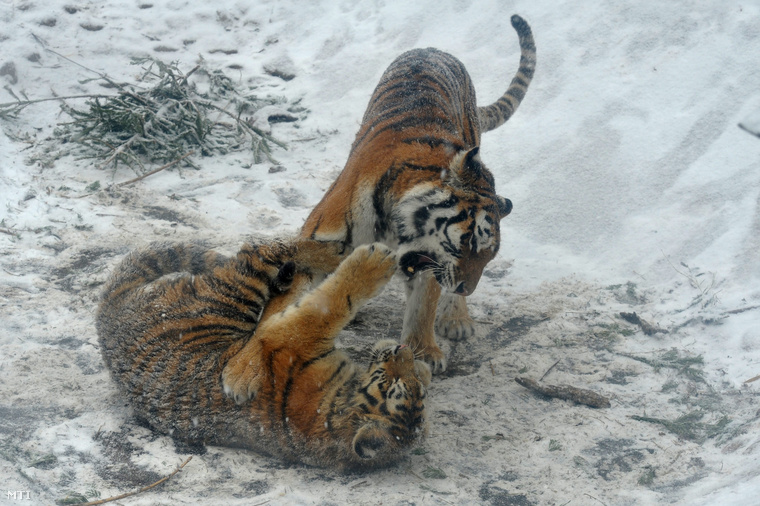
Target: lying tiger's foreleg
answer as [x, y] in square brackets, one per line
[309, 326]
[310, 259]
[422, 293]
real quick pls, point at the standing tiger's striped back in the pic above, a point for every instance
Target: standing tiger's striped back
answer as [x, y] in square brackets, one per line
[178, 323]
[428, 87]
[414, 181]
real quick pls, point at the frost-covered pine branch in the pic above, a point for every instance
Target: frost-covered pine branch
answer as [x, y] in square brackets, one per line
[162, 117]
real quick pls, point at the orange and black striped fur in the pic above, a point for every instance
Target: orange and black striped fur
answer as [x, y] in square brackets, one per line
[414, 181]
[177, 321]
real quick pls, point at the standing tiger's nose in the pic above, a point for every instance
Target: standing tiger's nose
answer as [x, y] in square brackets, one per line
[461, 289]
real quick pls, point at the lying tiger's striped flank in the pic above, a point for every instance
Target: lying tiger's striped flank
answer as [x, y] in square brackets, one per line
[177, 322]
[414, 181]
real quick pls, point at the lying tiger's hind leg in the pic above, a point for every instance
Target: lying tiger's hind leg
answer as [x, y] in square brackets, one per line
[422, 293]
[308, 327]
[454, 320]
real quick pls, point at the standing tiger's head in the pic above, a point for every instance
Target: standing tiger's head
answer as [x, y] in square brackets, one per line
[391, 402]
[451, 226]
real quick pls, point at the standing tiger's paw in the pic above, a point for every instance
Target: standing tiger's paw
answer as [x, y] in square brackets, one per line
[454, 320]
[455, 329]
[367, 269]
[241, 377]
[435, 358]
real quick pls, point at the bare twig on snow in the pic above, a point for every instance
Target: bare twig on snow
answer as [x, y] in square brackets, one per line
[566, 392]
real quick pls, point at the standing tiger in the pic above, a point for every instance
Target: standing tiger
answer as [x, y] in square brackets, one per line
[176, 321]
[414, 181]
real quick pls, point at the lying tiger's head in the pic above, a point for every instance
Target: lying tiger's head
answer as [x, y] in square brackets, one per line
[451, 226]
[392, 403]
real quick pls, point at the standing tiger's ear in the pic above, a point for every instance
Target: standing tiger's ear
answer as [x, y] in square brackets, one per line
[471, 158]
[471, 165]
[466, 168]
[505, 206]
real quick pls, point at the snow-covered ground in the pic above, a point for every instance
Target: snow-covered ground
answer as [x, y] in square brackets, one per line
[634, 191]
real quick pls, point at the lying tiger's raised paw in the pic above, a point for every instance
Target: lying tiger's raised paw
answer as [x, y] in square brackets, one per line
[367, 270]
[241, 377]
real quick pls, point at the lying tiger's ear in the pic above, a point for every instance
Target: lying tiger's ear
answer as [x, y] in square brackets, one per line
[371, 439]
[505, 206]
[422, 370]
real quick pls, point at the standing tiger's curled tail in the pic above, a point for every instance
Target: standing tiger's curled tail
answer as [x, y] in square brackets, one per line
[414, 180]
[240, 352]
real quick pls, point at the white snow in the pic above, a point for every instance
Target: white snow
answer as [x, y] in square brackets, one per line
[625, 164]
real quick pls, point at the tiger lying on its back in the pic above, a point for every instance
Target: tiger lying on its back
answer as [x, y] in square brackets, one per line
[414, 181]
[172, 317]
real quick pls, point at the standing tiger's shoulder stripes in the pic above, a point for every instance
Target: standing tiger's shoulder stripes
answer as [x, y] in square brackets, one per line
[240, 351]
[415, 181]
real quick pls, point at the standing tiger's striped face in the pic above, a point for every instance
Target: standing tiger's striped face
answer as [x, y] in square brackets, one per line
[392, 402]
[451, 227]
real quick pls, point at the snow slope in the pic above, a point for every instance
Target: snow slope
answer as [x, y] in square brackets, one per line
[634, 190]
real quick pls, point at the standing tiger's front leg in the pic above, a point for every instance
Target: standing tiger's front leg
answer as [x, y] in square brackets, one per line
[454, 321]
[422, 293]
[310, 325]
